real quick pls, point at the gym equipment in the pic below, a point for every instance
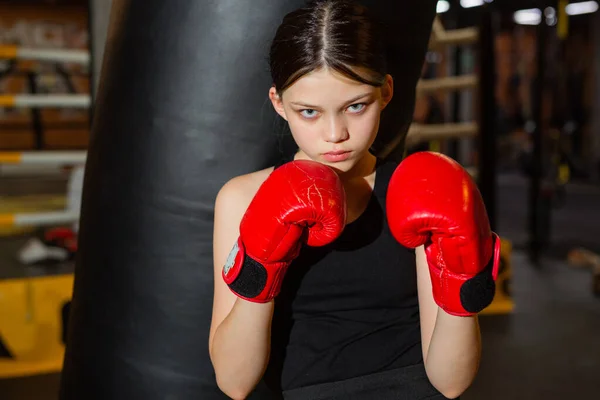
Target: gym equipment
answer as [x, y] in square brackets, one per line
[32, 324]
[583, 258]
[181, 108]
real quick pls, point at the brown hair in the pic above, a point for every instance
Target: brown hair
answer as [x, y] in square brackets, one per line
[336, 34]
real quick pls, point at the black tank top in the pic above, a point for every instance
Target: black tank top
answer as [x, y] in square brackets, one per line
[349, 308]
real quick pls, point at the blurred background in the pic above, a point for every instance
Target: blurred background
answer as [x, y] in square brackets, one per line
[510, 88]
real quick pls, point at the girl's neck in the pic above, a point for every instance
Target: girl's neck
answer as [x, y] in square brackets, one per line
[361, 170]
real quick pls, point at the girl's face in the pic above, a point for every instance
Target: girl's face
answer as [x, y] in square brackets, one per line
[333, 119]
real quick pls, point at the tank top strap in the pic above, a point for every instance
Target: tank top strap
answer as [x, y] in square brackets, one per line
[385, 170]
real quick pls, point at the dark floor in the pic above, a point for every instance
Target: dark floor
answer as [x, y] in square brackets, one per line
[548, 348]
[44, 387]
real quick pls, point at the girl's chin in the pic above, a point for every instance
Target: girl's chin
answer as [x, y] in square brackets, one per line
[340, 164]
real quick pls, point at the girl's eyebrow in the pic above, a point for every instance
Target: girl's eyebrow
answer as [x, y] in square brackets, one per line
[352, 100]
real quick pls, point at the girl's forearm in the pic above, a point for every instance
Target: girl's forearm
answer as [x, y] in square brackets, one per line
[454, 353]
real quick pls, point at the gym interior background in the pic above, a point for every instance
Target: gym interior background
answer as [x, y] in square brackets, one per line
[510, 88]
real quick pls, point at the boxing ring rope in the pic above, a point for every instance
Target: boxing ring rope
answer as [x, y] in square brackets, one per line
[44, 158]
[13, 162]
[45, 101]
[41, 159]
[419, 133]
[463, 82]
[442, 38]
[456, 37]
[13, 52]
[21, 220]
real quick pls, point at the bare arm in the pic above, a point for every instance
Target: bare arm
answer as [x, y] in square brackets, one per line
[240, 348]
[239, 342]
[451, 345]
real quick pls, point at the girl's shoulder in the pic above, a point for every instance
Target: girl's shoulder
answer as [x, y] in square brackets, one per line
[242, 188]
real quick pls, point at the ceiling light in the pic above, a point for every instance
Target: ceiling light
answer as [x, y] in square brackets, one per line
[532, 16]
[442, 6]
[471, 3]
[584, 7]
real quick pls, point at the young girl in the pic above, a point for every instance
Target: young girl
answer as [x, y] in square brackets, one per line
[317, 299]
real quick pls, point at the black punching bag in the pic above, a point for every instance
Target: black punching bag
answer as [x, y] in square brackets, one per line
[408, 26]
[181, 107]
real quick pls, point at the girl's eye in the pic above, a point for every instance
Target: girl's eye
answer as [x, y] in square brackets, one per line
[356, 108]
[308, 113]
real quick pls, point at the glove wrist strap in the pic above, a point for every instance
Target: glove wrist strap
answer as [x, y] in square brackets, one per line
[466, 295]
[249, 279]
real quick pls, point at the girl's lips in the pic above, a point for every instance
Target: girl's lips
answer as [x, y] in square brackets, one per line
[336, 156]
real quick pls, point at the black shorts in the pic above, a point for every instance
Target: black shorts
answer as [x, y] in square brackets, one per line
[408, 383]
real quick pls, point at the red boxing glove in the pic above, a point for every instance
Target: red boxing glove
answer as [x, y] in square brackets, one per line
[300, 202]
[433, 201]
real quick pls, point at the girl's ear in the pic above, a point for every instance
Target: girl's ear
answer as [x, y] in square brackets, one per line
[277, 102]
[387, 91]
